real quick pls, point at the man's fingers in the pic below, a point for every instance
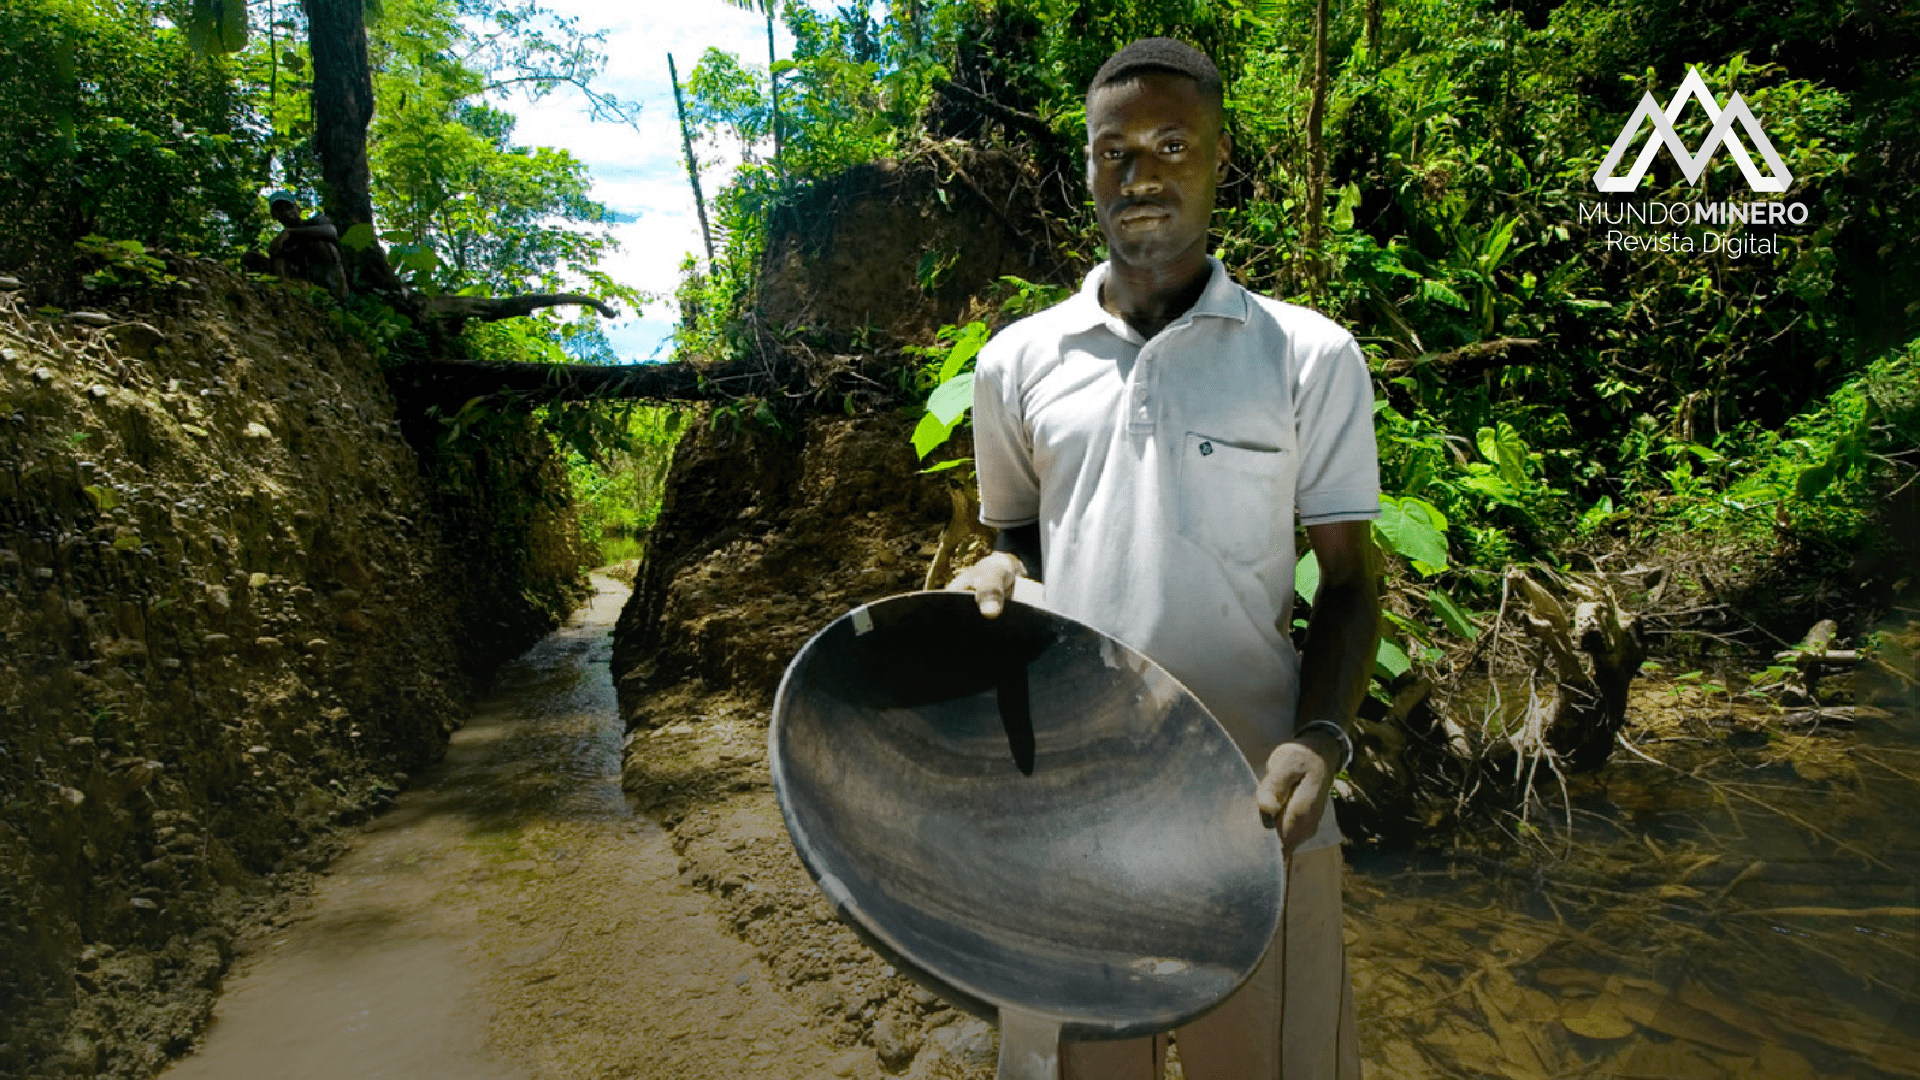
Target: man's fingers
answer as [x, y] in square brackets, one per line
[1274, 794]
[1301, 818]
[989, 580]
[993, 598]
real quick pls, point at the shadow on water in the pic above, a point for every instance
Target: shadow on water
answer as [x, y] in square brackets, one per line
[1728, 899]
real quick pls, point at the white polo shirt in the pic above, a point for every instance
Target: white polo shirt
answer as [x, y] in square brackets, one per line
[1166, 476]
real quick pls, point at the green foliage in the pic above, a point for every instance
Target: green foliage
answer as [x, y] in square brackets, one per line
[123, 265]
[951, 376]
[618, 491]
[111, 126]
[465, 207]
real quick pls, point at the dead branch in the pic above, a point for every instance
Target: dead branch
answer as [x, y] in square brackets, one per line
[1470, 360]
[986, 106]
[1594, 652]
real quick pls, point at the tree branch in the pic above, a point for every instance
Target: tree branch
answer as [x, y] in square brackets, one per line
[456, 310]
[1027, 122]
[1470, 360]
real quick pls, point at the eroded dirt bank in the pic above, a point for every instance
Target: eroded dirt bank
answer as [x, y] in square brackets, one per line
[229, 619]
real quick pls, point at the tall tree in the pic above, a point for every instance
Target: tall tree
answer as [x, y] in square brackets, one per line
[342, 109]
[768, 8]
[693, 164]
[1317, 156]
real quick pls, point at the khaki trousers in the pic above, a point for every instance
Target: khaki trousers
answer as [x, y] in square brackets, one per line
[1293, 1020]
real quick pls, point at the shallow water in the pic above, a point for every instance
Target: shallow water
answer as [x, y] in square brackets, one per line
[511, 918]
[1733, 901]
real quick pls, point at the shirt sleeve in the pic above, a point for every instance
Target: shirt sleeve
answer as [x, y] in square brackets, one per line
[1002, 444]
[1339, 478]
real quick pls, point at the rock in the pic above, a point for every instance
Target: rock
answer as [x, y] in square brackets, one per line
[89, 318]
[141, 903]
[216, 644]
[219, 601]
[354, 621]
[896, 1041]
[851, 1063]
[969, 1043]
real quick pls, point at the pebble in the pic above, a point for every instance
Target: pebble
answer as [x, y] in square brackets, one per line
[90, 318]
[969, 1042]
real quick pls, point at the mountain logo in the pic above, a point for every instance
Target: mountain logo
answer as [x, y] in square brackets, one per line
[1693, 164]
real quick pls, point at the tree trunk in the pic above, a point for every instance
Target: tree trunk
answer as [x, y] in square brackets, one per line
[773, 92]
[342, 109]
[1317, 156]
[693, 165]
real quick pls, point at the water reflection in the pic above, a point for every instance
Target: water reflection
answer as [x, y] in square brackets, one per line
[1731, 898]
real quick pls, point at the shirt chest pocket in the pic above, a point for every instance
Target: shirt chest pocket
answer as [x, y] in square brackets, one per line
[1235, 500]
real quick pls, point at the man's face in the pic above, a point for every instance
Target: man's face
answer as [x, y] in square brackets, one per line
[285, 212]
[1155, 154]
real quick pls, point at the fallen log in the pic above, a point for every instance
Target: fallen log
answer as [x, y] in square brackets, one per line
[454, 311]
[1469, 360]
[450, 384]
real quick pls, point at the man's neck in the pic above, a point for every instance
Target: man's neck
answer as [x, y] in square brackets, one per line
[1151, 298]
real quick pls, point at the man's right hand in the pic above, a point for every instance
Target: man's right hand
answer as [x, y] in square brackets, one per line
[990, 580]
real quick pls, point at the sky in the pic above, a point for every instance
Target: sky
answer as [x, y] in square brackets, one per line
[640, 174]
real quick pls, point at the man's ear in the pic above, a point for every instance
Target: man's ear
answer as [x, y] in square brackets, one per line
[1222, 151]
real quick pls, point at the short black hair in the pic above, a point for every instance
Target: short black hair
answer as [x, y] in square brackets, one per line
[1166, 54]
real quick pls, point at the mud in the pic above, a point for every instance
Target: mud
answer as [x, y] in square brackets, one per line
[511, 919]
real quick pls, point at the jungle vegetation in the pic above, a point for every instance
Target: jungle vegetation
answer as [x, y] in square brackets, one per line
[1419, 169]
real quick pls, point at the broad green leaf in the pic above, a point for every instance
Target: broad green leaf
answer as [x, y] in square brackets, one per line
[929, 433]
[1391, 657]
[1306, 576]
[1450, 614]
[943, 466]
[1408, 532]
[964, 349]
[1439, 292]
[358, 237]
[1506, 451]
[952, 398]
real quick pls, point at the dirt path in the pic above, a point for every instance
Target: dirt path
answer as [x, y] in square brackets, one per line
[512, 918]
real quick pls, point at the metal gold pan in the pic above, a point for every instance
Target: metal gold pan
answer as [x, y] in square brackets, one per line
[1029, 817]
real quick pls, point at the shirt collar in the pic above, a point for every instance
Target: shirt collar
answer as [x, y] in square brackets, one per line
[1222, 298]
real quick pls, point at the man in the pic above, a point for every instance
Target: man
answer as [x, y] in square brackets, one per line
[307, 250]
[1143, 449]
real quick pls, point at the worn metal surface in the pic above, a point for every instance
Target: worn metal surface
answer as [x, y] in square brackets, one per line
[1025, 814]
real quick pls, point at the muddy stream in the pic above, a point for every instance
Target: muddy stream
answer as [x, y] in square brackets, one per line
[1733, 898]
[512, 918]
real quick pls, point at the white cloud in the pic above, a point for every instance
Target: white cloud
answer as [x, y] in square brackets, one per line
[639, 170]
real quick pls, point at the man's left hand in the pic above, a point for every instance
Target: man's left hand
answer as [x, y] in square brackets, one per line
[1293, 793]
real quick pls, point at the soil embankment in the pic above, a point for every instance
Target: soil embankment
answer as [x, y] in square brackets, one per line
[230, 618]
